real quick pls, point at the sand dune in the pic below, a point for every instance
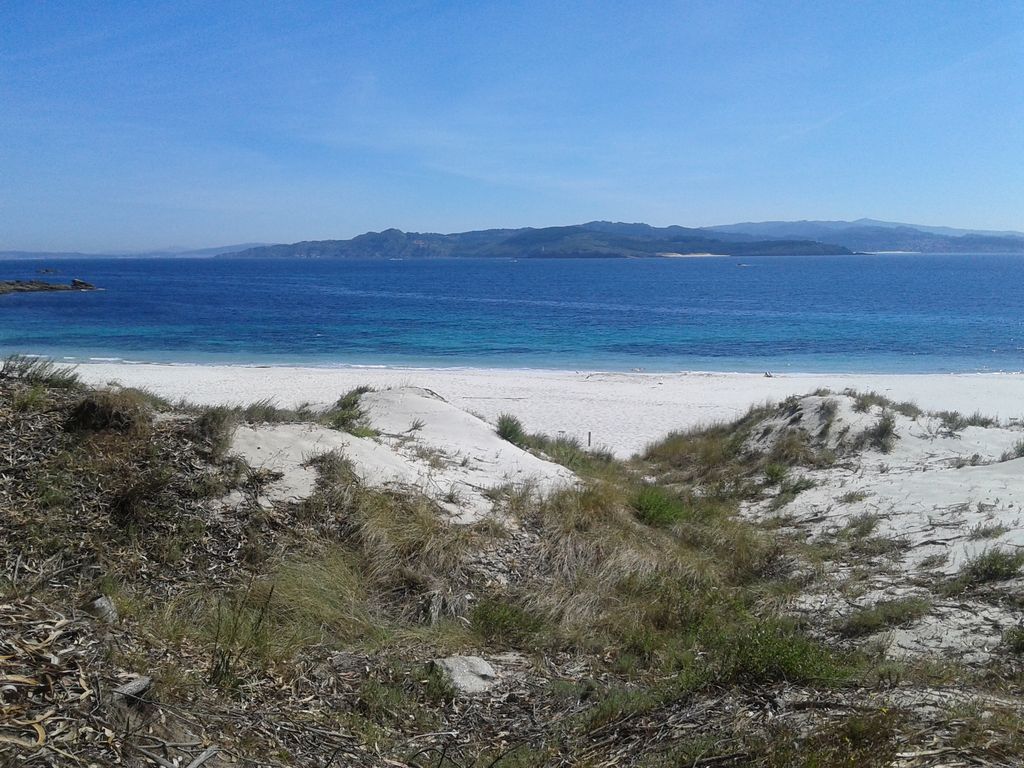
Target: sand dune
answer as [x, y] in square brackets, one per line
[622, 412]
[424, 443]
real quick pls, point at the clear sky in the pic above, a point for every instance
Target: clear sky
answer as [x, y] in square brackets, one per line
[137, 125]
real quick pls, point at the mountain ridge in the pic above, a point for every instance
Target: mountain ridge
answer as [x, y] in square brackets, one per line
[608, 239]
[591, 240]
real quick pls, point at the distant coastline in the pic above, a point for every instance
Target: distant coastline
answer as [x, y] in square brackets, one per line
[605, 239]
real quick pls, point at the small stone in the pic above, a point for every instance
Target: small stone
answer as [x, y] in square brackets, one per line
[102, 608]
[345, 661]
[468, 674]
[133, 689]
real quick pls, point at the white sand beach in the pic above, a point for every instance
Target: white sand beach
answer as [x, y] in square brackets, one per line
[935, 497]
[622, 412]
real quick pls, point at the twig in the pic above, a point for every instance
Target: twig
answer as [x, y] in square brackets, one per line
[203, 757]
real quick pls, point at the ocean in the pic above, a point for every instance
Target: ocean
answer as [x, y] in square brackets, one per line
[884, 314]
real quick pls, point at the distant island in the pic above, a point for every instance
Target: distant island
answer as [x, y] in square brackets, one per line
[37, 286]
[597, 239]
[605, 239]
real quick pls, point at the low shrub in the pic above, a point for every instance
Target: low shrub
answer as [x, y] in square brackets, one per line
[882, 436]
[347, 414]
[656, 506]
[108, 410]
[214, 428]
[510, 428]
[766, 651]
[504, 623]
[775, 473]
[1013, 640]
[990, 566]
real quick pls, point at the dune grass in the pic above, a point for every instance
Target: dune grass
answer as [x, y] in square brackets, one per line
[38, 370]
[634, 600]
[567, 451]
[884, 614]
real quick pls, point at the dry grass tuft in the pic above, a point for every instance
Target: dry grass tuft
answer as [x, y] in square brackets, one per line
[115, 410]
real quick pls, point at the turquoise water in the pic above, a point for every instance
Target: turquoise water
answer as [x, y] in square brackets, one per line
[890, 313]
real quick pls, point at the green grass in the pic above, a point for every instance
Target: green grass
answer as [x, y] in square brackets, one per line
[30, 399]
[772, 650]
[503, 623]
[861, 525]
[643, 586]
[852, 497]
[882, 435]
[865, 401]
[510, 428]
[266, 411]
[993, 565]
[884, 614]
[347, 415]
[1013, 640]
[864, 739]
[789, 490]
[656, 506]
[954, 421]
[987, 531]
[567, 451]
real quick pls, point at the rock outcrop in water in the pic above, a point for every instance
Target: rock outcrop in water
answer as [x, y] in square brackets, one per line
[36, 286]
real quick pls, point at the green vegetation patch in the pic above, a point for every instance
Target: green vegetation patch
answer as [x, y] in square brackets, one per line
[993, 565]
[771, 650]
[884, 614]
[656, 506]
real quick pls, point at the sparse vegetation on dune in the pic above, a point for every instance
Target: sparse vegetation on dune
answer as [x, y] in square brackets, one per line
[1016, 452]
[567, 451]
[636, 619]
[883, 615]
[865, 401]
[40, 371]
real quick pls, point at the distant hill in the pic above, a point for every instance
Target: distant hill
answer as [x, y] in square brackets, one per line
[607, 239]
[874, 235]
[599, 239]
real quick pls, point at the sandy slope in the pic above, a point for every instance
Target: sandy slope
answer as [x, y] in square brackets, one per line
[425, 443]
[937, 500]
[621, 411]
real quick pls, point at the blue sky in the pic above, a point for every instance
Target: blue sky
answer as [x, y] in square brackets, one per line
[142, 125]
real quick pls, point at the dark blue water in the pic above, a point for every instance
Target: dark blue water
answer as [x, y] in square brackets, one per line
[843, 313]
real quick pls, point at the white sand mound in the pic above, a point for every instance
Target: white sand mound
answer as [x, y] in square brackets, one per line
[941, 497]
[425, 444]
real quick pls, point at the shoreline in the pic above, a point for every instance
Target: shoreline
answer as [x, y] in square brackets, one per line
[621, 411]
[775, 371]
